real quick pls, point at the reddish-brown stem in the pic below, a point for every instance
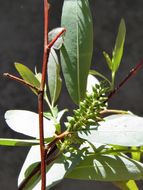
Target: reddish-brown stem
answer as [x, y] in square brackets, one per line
[41, 97]
[42, 146]
[46, 52]
[131, 73]
[22, 82]
[56, 37]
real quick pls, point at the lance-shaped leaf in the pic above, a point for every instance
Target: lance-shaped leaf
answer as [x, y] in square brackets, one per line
[55, 172]
[119, 46]
[27, 122]
[27, 75]
[119, 129]
[76, 53]
[96, 73]
[54, 79]
[18, 142]
[107, 168]
[108, 60]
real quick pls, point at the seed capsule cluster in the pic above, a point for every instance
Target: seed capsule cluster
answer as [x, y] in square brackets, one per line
[86, 115]
[89, 110]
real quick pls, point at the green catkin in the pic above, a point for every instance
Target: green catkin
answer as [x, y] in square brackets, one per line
[89, 110]
[86, 115]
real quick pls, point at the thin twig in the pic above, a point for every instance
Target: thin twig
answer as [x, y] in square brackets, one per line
[22, 81]
[55, 38]
[131, 73]
[41, 94]
[41, 98]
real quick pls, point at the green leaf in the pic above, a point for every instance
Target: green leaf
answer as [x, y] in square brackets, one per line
[27, 75]
[56, 117]
[126, 185]
[118, 129]
[55, 172]
[108, 60]
[18, 142]
[76, 53]
[136, 155]
[107, 168]
[119, 46]
[54, 79]
[96, 73]
[38, 76]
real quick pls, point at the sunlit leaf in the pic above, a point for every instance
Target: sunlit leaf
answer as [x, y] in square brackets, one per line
[54, 79]
[76, 53]
[119, 129]
[126, 185]
[60, 114]
[56, 171]
[91, 82]
[18, 142]
[119, 46]
[136, 155]
[27, 75]
[32, 160]
[107, 168]
[39, 78]
[27, 122]
[108, 60]
[96, 73]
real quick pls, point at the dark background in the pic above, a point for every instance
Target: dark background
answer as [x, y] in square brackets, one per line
[21, 39]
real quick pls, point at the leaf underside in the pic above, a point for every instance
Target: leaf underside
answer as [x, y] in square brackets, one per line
[118, 129]
[55, 172]
[54, 80]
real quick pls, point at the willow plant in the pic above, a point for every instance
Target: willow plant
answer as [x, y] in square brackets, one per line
[87, 144]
